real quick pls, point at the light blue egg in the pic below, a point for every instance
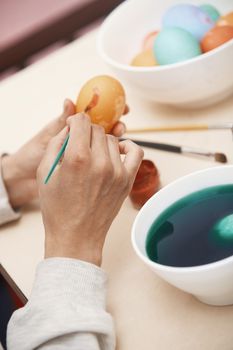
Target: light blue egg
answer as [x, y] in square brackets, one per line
[211, 11]
[175, 45]
[189, 17]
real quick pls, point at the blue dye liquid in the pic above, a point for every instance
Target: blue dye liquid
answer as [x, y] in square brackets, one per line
[196, 230]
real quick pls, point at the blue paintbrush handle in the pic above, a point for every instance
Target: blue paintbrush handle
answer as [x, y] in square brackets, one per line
[58, 157]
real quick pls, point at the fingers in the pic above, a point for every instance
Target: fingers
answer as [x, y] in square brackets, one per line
[68, 110]
[51, 153]
[118, 129]
[59, 123]
[113, 146]
[80, 138]
[98, 141]
[133, 157]
[55, 126]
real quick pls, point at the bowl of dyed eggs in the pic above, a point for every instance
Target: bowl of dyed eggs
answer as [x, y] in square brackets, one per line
[171, 53]
[184, 233]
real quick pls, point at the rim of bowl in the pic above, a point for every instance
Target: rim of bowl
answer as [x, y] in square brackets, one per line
[128, 67]
[176, 269]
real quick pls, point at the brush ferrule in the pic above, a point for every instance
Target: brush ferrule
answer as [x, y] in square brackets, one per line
[196, 151]
[224, 126]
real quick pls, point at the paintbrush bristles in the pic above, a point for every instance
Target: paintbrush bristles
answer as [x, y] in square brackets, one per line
[220, 157]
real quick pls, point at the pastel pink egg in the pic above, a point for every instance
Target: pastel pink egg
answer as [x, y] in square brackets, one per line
[149, 39]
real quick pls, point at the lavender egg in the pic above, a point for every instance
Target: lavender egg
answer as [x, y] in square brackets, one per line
[188, 17]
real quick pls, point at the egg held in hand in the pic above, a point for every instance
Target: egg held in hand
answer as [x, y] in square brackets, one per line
[103, 99]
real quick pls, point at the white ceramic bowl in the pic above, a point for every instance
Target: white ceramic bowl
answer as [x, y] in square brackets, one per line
[210, 283]
[198, 82]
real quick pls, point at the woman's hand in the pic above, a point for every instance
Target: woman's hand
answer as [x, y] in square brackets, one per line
[86, 190]
[19, 169]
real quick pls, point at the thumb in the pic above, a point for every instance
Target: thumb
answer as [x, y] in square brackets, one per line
[68, 110]
[55, 126]
[51, 153]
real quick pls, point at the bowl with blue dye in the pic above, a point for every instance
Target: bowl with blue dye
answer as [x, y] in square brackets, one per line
[184, 233]
[198, 81]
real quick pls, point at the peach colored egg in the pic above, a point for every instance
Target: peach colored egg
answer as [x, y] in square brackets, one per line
[144, 59]
[226, 20]
[148, 41]
[216, 37]
[103, 99]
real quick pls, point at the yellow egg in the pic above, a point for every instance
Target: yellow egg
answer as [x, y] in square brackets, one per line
[144, 59]
[103, 99]
[226, 20]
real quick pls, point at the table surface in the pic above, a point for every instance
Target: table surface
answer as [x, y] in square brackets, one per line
[148, 312]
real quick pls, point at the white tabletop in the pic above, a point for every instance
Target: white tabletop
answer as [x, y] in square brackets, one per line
[149, 313]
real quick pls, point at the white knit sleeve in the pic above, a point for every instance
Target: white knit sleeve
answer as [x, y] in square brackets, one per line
[66, 310]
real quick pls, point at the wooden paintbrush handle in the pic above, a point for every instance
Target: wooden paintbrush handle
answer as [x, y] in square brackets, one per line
[170, 128]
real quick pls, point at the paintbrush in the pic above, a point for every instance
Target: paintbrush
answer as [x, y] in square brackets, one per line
[218, 157]
[57, 159]
[90, 105]
[188, 127]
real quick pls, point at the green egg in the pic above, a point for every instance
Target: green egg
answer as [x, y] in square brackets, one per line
[223, 229]
[211, 11]
[174, 45]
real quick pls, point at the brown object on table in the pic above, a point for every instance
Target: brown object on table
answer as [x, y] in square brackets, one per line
[146, 183]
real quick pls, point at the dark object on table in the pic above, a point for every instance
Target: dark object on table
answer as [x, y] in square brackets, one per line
[11, 299]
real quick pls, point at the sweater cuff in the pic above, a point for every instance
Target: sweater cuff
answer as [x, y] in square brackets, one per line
[70, 280]
[7, 213]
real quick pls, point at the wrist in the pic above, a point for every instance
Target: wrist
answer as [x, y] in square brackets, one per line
[12, 180]
[74, 251]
